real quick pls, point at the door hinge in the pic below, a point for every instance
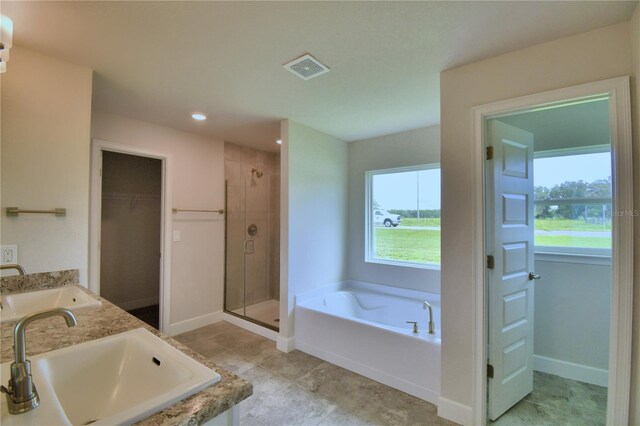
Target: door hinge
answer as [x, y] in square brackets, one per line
[489, 371]
[490, 262]
[489, 153]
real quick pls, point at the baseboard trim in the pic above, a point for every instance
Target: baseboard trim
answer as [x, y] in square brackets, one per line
[250, 326]
[286, 344]
[373, 374]
[128, 305]
[454, 411]
[193, 323]
[570, 370]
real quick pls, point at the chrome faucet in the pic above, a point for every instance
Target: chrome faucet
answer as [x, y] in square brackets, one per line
[22, 395]
[432, 326]
[15, 266]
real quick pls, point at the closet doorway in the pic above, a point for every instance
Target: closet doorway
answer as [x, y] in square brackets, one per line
[130, 234]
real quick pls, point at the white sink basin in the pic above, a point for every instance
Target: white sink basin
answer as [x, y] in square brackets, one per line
[118, 379]
[17, 305]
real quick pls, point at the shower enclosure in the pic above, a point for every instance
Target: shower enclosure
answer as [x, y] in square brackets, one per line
[252, 265]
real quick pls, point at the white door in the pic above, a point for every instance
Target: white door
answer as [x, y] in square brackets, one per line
[510, 242]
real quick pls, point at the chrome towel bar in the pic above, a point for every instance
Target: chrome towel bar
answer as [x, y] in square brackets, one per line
[15, 211]
[221, 211]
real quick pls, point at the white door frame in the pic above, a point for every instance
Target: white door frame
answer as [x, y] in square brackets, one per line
[622, 247]
[165, 230]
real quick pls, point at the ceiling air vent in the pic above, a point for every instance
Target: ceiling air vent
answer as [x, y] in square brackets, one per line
[306, 67]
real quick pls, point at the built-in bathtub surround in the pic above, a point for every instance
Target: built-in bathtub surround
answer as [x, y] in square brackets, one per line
[364, 327]
[39, 281]
[252, 281]
[47, 335]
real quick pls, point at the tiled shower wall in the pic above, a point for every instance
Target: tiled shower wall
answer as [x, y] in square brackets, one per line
[252, 201]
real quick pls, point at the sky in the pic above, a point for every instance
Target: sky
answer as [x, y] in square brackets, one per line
[399, 190]
[587, 167]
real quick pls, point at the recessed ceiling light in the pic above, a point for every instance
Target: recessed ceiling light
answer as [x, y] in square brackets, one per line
[198, 116]
[279, 141]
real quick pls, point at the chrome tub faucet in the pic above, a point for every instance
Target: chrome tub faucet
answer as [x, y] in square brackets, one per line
[432, 325]
[22, 395]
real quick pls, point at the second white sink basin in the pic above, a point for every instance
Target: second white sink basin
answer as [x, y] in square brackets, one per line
[17, 305]
[118, 379]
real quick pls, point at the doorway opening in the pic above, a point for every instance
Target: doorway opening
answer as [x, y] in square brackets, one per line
[130, 235]
[518, 230]
[549, 212]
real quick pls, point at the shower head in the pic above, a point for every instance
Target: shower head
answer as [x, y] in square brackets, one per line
[257, 172]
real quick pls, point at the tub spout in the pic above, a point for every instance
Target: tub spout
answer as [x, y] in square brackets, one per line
[432, 326]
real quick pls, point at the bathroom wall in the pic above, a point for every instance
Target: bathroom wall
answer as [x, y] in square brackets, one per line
[315, 194]
[260, 199]
[197, 182]
[130, 230]
[412, 148]
[46, 118]
[572, 311]
[591, 56]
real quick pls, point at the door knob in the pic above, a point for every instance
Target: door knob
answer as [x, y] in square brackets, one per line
[534, 276]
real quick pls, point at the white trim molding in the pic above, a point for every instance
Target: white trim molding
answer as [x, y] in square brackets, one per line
[617, 91]
[193, 323]
[571, 370]
[250, 326]
[95, 211]
[454, 411]
[286, 344]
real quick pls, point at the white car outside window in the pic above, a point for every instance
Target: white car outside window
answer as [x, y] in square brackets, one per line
[383, 217]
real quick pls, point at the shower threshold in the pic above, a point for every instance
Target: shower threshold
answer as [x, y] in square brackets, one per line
[267, 312]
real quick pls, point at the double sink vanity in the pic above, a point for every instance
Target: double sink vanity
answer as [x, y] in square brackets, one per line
[96, 364]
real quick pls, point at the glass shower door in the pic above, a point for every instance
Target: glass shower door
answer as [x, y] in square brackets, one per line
[234, 246]
[248, 266]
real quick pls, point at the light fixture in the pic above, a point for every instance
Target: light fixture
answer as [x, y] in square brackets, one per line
[6, 41]
[198, 116]
[279, 141]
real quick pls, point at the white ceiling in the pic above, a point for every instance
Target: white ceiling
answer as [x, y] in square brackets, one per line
[161, 61]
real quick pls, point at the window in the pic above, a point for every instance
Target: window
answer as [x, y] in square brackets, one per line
[403, 216]
[573, 201]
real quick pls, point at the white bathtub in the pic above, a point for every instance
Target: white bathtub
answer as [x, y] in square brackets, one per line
[362, 327]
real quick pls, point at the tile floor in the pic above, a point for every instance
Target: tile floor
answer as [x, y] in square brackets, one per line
[558, 401]
[299, 389]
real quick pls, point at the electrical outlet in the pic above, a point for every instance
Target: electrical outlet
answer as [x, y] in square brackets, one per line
[9, 254]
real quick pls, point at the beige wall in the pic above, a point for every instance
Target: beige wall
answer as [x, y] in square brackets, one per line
[635, 104]
[46, 119]
[591, 56]
[316, 199]
[412, 148]
[197, 182]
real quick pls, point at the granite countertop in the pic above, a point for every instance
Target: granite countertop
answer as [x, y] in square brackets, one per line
[52, 333]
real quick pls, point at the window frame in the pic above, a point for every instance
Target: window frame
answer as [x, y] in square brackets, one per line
[369, 222]
[578, 254]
